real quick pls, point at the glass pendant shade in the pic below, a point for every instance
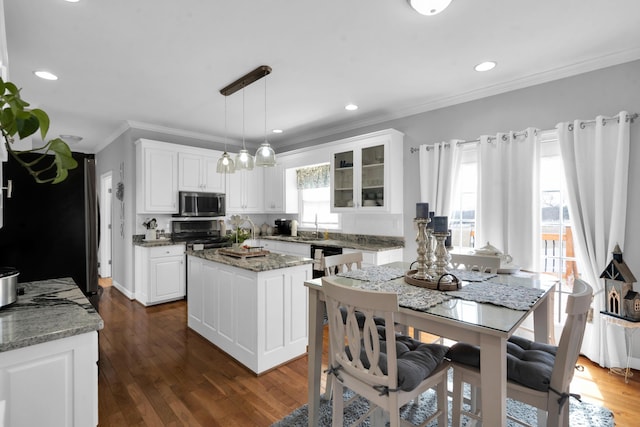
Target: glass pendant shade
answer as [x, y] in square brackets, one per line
[265, 156]
[225, 164]
[244, 160]
[429, 7]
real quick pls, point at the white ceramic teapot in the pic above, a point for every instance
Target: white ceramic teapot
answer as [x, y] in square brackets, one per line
[488, 249]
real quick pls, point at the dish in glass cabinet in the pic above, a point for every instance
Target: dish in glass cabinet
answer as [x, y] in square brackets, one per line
[369, 203]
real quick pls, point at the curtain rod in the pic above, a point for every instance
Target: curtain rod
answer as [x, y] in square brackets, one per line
[630, 118]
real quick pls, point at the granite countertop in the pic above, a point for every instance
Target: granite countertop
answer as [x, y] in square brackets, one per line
[338, 240]
[165, 241]
[364, 243]
[48, 310]
[271, 261]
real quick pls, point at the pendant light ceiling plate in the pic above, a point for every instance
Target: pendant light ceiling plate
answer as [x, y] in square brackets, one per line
[246, 80]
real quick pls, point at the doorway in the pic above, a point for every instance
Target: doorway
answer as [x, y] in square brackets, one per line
[105, 225]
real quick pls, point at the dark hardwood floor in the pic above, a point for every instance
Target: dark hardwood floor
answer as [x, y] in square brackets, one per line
[154, 371]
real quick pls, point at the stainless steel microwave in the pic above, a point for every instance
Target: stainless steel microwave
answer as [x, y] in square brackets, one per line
[196, 203]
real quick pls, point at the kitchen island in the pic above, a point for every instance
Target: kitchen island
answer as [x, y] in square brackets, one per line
[48, 356]
[254, 308]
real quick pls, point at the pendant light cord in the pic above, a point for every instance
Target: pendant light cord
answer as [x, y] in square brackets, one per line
[243, 146]
[225, 124]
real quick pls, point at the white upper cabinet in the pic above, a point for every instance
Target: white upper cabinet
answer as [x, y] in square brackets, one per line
[366, 175]
[274, 189]
[245, 191]
[197, 171]
[156, 177]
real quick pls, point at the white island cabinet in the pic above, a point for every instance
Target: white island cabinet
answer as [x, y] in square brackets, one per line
[257, 317]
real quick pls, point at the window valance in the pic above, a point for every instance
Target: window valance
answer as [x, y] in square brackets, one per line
[313, 177]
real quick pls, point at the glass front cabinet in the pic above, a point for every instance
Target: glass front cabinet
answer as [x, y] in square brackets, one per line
[367, 177]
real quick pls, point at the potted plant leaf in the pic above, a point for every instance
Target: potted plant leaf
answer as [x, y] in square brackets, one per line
[17, 119]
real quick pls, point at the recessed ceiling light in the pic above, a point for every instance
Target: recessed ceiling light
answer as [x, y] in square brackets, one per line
[351, 107]
[429, 7]
[46, 75]
[277, 131]
[71, 139]
[73, 1]
[485, 66]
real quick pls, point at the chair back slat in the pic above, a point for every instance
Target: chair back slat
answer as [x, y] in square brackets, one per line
[357, 349]
[578, 304]
[335, 264]
[482, 263]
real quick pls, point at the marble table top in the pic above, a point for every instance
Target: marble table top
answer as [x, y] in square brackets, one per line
[48, 310]
[271, 261]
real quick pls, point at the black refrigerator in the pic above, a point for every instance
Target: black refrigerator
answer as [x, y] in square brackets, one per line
[51, 230]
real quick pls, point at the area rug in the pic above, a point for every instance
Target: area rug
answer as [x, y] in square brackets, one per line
[582, 414]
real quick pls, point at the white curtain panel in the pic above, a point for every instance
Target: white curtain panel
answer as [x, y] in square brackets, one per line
[508, 217]
[439, 165]
[596, 163]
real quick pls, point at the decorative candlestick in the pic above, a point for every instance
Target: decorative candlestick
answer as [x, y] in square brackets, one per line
[442, 256]
[422, 240]
[430, 253]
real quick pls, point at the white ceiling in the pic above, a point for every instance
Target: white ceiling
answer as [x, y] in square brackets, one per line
[160, 64]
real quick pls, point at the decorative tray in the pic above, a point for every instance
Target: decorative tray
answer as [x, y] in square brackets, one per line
[244, 252]
[432, 284]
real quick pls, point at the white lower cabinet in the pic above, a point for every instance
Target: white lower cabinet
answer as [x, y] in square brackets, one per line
[51, 384]
[372, 258]
[159, 274]
[259, 318]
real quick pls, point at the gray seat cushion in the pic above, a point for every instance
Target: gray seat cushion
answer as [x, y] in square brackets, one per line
[416, 360]
[529, 363]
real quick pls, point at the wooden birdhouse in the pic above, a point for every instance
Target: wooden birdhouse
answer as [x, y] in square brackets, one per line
[632, 305]
[618, 281]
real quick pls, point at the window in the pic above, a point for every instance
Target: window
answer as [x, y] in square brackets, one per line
[314, 198]
[558, 256]
[463, 216]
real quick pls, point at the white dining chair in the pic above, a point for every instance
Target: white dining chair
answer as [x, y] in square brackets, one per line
[335, 264]
[365, 357]
[472, 262]
[538, 374]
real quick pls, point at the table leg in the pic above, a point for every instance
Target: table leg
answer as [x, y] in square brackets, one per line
[543, 320]
[628, 336]
[315, 355]
[493, 377]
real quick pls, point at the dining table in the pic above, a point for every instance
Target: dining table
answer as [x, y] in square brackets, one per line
[456, 315]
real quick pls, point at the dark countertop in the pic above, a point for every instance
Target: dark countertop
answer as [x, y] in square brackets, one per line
[271, 261]
[48, 310]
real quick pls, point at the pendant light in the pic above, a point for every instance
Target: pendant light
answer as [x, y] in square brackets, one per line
[429, 7]
[265, 156]
[225, 163]
[244, 160]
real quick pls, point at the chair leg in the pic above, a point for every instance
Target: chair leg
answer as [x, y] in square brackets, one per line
[457, 398]
[443, 405]
[338, 402]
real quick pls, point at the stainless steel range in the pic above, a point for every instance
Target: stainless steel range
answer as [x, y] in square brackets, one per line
[204, 232]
